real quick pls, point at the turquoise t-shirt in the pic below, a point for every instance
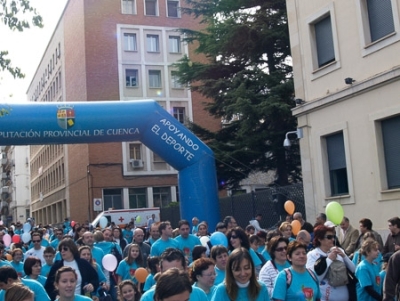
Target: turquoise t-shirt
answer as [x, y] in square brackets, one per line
[382, 274]
[41, 279]
[45, 270]
[196, 295]
[186, 245]
[367, 275]
[220, 293]
[160, 245]
[266, 255]
[126, 271]
[149, 282]
[80, 298]
[38, 290]
[220, 275]
[210, 293]
[303, 287]
[19, 267]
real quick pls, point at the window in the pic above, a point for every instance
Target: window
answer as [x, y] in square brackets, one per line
[161, 196]
[324, 41]
[135, 151]
[380, 18]
[174, 43]
[179, 113]
[112, 198]
[153, 44]
[391, 148]
[137, 198]
[154, 78]
[151, 7]
[175, 81]
[172, 7]
[128, 7]
[337, 164]
[131, 76]
[130, 42]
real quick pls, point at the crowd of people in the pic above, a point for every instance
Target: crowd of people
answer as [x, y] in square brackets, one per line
[319, 262]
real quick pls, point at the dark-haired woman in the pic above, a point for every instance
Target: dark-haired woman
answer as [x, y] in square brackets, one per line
[33, 268]
[297, 282]
[202, 275]
[237, 238]
[87, 279]
[277, 247]
[321, 258]
[240, 280]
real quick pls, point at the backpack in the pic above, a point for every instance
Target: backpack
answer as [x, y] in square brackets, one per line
[337, 274]
[288, 273]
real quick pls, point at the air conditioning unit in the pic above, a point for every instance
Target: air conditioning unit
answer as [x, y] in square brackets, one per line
[136, 163]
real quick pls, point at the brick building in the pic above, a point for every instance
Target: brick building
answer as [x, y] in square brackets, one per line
[110, 50]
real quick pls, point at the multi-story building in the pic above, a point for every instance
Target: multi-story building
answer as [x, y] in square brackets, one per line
[111, 50]
[346, 70]
[15, 188]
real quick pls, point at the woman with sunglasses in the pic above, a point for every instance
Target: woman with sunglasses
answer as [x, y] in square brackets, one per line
[321, 258]
[277, 247]
[87, 280]
[240, 280]
[237, 238]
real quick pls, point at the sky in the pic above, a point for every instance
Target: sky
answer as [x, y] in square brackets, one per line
[26, 49]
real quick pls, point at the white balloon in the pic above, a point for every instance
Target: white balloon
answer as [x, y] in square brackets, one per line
[103, 222]
[26, 237]
[204, 240]
[109, 262]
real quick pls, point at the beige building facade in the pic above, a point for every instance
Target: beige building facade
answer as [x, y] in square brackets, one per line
[347, 72]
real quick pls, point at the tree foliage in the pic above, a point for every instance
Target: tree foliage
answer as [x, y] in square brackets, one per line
[14, 14]
[247, 78]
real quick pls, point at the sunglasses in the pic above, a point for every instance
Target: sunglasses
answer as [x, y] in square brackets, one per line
[329, 236]
[35, 241]
[281, 249]
[234, 236]
[65, 248]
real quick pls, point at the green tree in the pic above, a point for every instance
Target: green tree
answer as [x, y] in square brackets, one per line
[247, 78]
[14, 14]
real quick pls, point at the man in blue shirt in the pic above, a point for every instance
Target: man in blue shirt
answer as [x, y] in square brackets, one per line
[165, 241]
[186, 242]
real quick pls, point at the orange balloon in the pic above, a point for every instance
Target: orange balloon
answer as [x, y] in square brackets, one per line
[289, 207]
[9, 257]
[296, 227]
[141, 275]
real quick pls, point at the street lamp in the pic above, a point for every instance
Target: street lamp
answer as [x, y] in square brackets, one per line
[286, 143]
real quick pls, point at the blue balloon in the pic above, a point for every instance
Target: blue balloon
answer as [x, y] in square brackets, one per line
[219, 238]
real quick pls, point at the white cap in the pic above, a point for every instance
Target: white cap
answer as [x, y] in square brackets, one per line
[329, 224]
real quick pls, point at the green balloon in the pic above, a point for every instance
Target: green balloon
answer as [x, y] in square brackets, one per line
[334, 212]
[138, 218]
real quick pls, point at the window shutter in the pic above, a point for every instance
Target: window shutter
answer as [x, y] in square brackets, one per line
[336, 152]
[380, 18]
[391, 144]
[324, 41]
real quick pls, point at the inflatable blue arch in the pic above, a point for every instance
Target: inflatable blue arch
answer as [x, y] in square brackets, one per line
[118, 121]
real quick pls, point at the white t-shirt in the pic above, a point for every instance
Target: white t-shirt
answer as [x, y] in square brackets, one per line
[73, 264]
[36, 253]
